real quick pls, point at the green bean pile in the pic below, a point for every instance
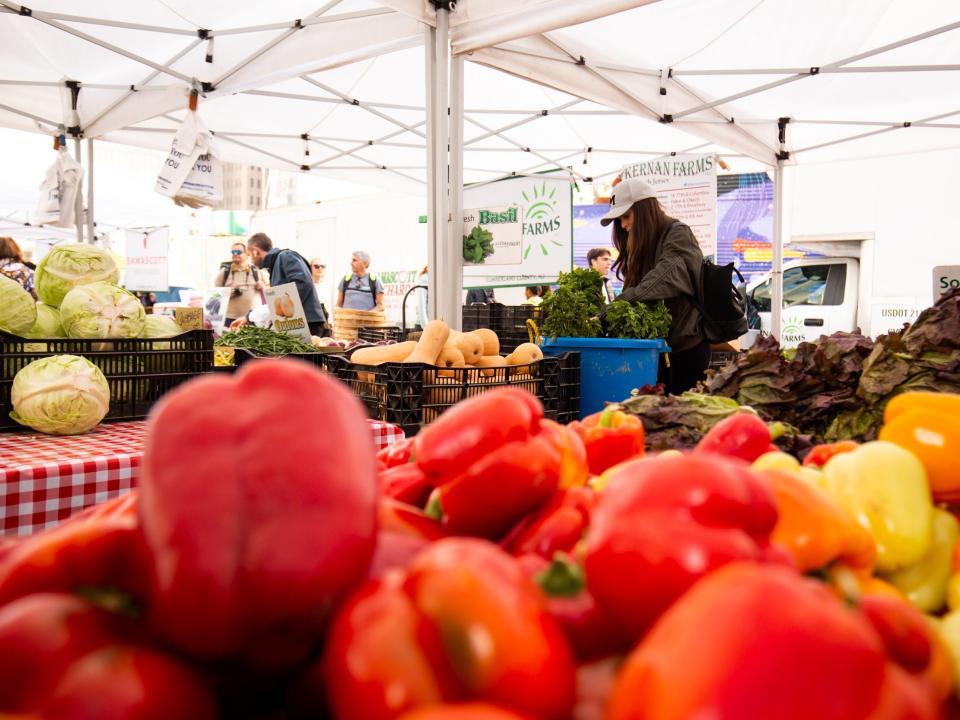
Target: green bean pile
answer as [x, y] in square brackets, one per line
[261, 341]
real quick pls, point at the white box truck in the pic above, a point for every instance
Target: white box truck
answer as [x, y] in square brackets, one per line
[857, 283]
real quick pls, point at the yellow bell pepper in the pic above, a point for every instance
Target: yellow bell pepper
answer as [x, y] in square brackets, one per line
[934, 437]
[925, 583]
[948, 629]
[776, 460]
[885, 489]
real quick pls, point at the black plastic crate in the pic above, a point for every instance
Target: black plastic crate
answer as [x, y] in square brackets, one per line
[139, 371]
[378, 334]
[568, 408]
[241, 356]
[502, 319]
[412, 395]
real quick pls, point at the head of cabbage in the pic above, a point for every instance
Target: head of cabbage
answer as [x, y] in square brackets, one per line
[60, 395]
[67, 266]
[18, 311]
[101, 310]
[47, 324]
[161, 326]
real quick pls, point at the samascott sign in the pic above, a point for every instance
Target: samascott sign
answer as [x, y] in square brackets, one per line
[519, 232]
[945, 279]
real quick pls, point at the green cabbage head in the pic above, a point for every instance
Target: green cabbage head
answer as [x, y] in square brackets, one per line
[18, 311]
[60, 395]
[67, 266]
[47, 324]
[101, 310]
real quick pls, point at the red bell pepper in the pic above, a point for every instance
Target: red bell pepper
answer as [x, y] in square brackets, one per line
[743, 436]
[130, 683]
[590, 630]
[514, 462]
[754, 642]
[398, 453]
[404, 531]
[557, 527]
[41, 635]
[665, 522]
[464, 623]
[102, 549]
[463, 711]
[254, 525]
[471, 430]
[819, 454]
[611, 437]
[405, 483]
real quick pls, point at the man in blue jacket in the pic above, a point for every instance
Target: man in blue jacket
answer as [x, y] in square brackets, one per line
[287, 266]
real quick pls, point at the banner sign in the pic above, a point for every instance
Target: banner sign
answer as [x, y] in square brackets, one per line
[518, 232]
[147, 254]
[687, 188]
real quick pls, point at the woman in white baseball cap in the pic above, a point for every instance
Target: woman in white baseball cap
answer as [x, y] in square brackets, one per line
[660, 259]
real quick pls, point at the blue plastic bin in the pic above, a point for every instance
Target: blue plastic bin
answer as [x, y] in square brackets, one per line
[610, 368]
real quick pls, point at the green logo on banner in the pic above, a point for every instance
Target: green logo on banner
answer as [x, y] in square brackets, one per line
[540, 218]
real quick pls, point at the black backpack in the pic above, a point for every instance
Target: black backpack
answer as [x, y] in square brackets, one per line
[721, 304]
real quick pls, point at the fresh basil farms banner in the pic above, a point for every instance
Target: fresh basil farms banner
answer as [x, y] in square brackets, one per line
[517, 232]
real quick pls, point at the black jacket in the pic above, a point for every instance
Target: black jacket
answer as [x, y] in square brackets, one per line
[675, 276]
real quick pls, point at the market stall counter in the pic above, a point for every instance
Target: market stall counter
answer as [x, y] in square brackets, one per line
[45, 479]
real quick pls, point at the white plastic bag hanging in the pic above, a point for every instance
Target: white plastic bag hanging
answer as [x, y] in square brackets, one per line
[192, 174]
[63, 182]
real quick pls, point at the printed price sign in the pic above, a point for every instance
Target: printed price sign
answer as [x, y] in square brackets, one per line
[286, 311]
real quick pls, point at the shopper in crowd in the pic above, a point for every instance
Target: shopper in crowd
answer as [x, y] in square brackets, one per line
[14, 266]
[318, 271]
[532, 295]
[600, 260]
[545, 291]
[286, 266]
[148, 300]
[480, 296]
[243, 279]
[360, 290]
[660, 259]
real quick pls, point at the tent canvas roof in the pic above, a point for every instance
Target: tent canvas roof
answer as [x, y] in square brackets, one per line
[350, 75]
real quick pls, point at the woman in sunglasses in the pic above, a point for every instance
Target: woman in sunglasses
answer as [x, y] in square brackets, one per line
[242, 277]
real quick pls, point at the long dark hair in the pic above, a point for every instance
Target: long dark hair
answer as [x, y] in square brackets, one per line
[637, 249]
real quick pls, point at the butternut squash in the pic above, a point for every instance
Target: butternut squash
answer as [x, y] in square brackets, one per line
[525, 354]
[471, 346]
[430, 344]
[491, 343]
[488, 362]
[397, 352]
[450, 357]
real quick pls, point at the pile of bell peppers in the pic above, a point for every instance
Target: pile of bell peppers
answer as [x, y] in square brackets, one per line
[496, 566]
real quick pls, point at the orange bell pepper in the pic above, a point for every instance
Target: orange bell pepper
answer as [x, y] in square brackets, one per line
[948, 403]
[819, 454]
[814, 529]
[934, 437]
[611, 437]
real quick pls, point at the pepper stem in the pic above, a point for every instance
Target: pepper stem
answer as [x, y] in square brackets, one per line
[434, 508]
[564, 577]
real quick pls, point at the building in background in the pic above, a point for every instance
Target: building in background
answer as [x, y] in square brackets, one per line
[249, 187]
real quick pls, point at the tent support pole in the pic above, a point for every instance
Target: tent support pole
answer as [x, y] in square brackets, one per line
[90, 223]
[78, 203]
[445, 273]
[776, 272]
[430, 52]
[455, 238]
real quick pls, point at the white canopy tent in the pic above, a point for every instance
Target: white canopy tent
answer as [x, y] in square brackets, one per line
[356, 89]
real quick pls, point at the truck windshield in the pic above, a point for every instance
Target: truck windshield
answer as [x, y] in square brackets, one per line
[801, 286]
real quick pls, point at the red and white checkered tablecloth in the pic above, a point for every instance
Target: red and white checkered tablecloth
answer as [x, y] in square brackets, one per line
[45, 479]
